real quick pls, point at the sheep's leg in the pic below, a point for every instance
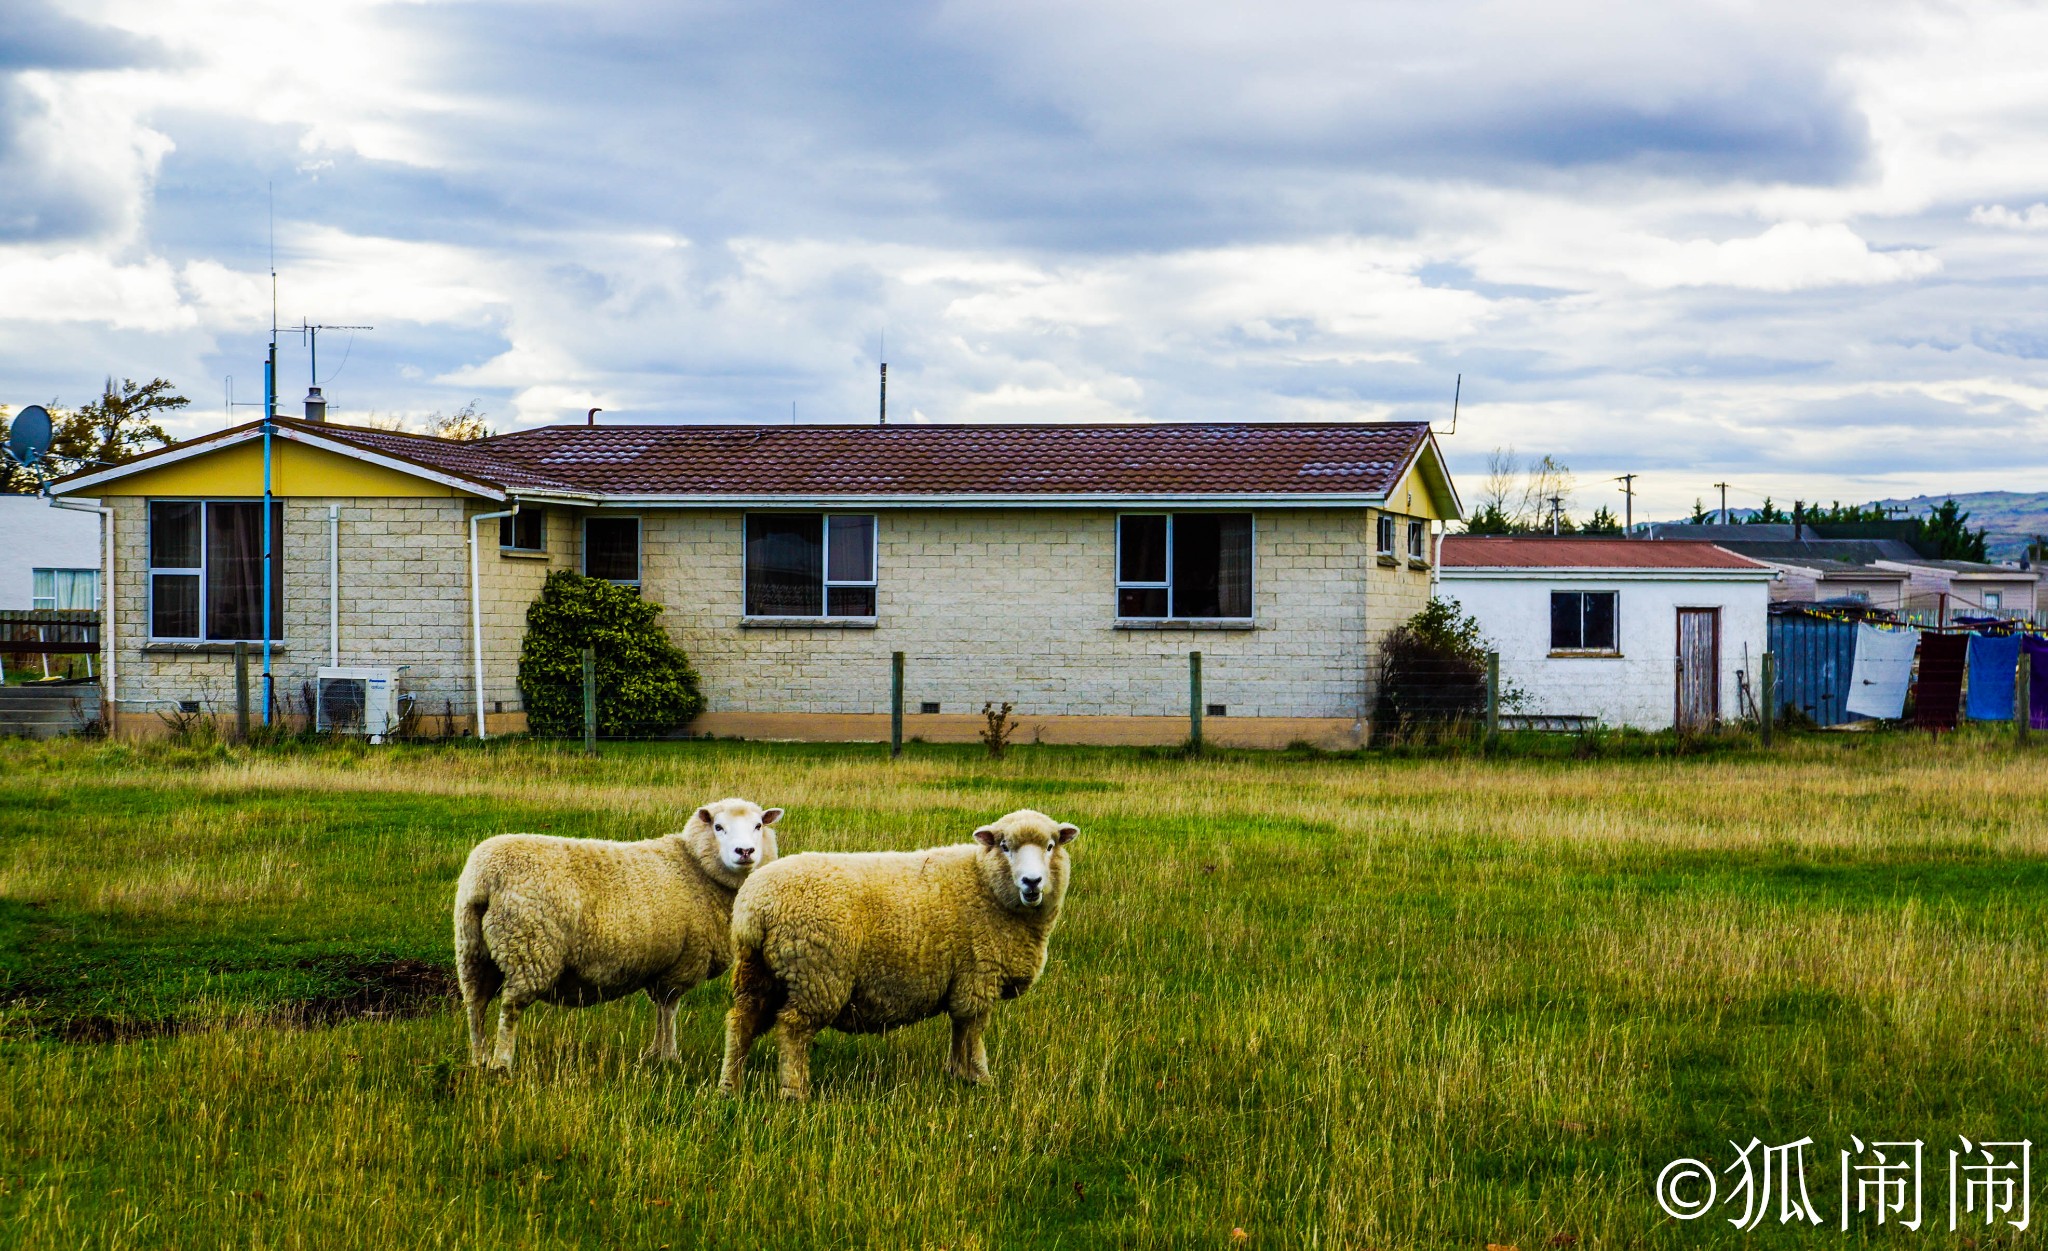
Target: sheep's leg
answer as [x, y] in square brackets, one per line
[970, 1057]
[664, 1047]
[479, 976]
[479, 1007]
[795, 1034]
[756, 998]
[509, 1011]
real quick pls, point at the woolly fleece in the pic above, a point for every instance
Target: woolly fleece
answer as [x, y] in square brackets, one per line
[576, 921]
[867, 942]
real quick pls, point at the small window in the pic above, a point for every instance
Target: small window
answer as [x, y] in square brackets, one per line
[1184, 565]
[1994, 601]
[611, 549]
[1582, 621]
[810, 565]
[66, 588]
[525, 532]
[206, 570]
[1417, 540]
[1386, 534]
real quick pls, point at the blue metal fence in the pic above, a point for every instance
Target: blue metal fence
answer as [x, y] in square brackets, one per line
[1814, 659]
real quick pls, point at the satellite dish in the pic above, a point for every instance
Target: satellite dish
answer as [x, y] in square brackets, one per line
[29, 435]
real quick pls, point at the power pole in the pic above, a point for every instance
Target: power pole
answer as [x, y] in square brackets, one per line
[1724, 502]
[1628, 507]
[1556, 512]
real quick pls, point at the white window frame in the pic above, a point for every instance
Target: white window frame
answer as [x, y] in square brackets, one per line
[512, 523]
[149, 548]
[1994, 601]
[1383, 534]
[35, 575]
[1122, 585]
[871, 582]
[1418, 539]
[639, 547]
[826, 582]
[1125, 584]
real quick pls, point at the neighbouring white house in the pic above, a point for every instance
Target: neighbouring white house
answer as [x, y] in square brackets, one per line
[1619, 632]
[49, 557]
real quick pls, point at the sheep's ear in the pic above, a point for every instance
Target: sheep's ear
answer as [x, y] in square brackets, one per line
[1064, 835]
[771, 816]
[987, 836]
[704, 815]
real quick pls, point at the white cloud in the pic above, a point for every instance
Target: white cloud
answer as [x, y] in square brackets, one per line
[2034, 217]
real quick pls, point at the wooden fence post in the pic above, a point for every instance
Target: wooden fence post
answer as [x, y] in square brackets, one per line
[895, 704]
[1492, 696]
[1767, 697]
[2023, 695]
[1195, 700]
[590, 701]
[242, 693]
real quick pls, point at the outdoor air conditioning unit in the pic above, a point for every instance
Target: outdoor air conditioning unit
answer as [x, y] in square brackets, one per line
[358, 700]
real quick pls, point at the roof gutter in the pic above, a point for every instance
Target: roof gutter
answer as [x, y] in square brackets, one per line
[988, 500]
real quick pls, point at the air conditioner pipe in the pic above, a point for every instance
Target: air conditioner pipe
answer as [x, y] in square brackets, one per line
[476, 610]
[110, 708]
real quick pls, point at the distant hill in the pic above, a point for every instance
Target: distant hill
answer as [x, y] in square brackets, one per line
[2010, 518]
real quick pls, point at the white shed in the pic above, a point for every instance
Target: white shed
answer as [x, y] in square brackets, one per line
[49, 557]
[1621, 632]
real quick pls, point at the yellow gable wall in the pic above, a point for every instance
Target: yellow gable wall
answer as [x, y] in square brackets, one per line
[1420, 492]
[295, 470]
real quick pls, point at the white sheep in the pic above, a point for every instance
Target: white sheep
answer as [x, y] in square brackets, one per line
[867, 942]
[578, 921]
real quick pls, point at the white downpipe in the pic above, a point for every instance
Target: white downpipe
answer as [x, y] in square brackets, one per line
[476, 611]
[108, 600]
[334, 585]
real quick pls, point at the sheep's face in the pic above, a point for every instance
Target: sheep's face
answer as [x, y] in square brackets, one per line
[742, 834]
[1031, 847]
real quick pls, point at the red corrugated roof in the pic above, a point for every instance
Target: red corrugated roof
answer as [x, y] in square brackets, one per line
[1543, 552]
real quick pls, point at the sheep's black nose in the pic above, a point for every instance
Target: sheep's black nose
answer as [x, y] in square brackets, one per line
[1030, 884]
[744, 853]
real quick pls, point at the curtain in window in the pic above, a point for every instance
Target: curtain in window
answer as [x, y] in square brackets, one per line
[1234, 565]
[234, 571]
[785, 566]
[67, 588]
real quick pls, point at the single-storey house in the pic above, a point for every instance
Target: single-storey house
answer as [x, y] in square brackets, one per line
[1619, 632]
[1067, 569]
[1816, 580]
[1951, 588]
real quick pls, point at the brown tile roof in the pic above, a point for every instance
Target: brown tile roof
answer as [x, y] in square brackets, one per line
[1544, 552]
[1212, 458]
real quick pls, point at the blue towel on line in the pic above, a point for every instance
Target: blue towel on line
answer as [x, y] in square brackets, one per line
[1994, 663]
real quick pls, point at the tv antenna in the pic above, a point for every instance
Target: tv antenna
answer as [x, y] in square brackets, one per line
[1457, 390]
[28, 436]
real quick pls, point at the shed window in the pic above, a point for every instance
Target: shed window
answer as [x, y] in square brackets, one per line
[810, 565]
[1184, 565]
[1994, 601]
[206, 570]
[525, 532]
[66, 588]
[611, 549]
[1582, 621]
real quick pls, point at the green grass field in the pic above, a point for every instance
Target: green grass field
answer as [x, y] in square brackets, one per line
[1327, 1003]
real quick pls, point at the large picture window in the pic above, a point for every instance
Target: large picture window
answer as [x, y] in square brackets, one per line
[611, 549]
[1184, 565]
[1582, 621]
[206, 570]
[810, 565]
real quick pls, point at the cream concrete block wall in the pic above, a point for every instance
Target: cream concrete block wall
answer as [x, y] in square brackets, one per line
[1020, 605]
[404, 600]
[509, 582]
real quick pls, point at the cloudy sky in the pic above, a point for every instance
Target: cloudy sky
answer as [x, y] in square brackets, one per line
[1751, 242]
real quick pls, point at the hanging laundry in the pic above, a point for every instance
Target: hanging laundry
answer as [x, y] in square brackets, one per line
[1883, 670]
[1938, 691]
[2037, 687]
[1994, 664]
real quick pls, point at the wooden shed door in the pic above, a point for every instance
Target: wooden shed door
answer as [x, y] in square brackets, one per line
[1699, 668]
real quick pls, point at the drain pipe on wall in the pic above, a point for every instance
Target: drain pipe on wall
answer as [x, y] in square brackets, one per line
[334, 585]
[476, 611]
[109, 710]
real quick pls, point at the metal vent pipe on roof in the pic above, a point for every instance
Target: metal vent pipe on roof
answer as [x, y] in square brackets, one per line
[316, 405]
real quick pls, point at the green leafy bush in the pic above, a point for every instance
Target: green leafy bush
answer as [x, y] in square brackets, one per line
[1432, 673]
[645, 685]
